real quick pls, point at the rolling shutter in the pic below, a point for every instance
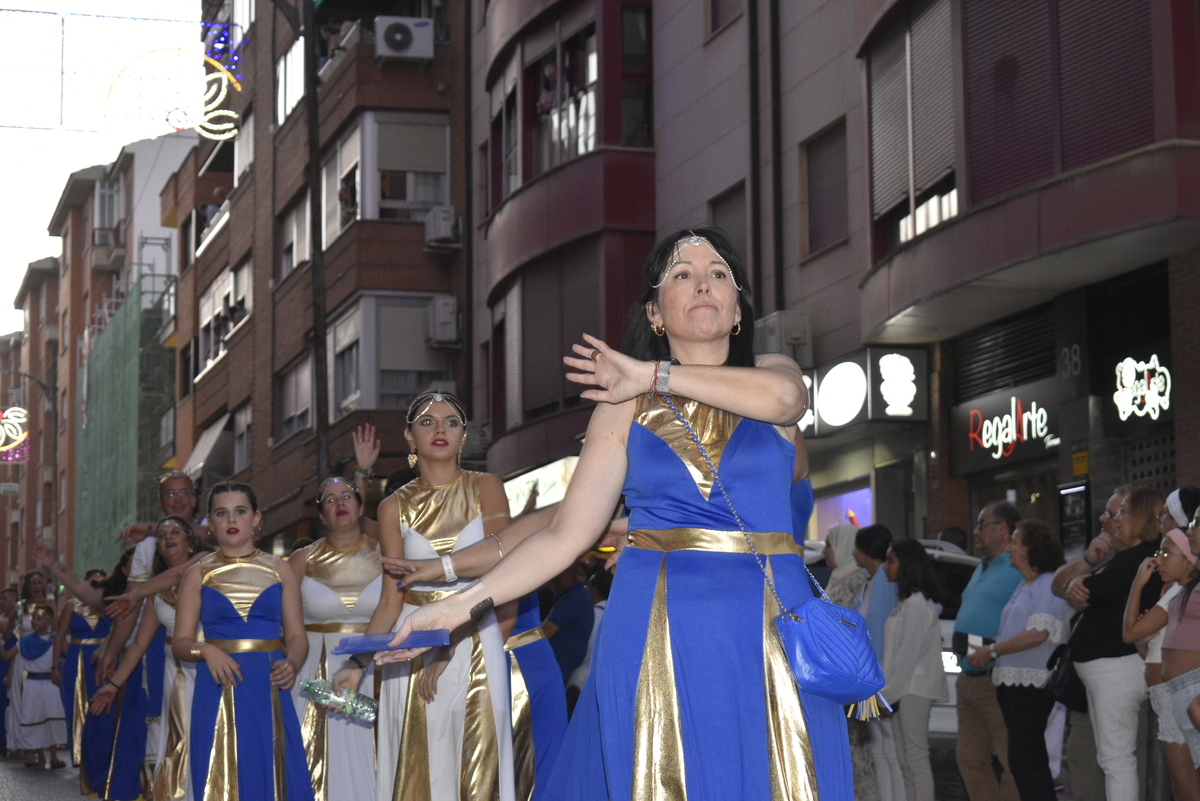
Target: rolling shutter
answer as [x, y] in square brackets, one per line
[932, 94]
[1011, 352]
[889, 123]
[828, 214]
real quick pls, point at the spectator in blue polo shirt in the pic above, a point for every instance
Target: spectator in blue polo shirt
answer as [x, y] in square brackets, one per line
[569, 624]
[981, 731]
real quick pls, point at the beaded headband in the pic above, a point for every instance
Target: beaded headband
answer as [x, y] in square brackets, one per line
[694, 239]
[430, 398]
[335, 479]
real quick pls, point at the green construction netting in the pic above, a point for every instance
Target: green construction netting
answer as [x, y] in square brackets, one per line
[130, 380]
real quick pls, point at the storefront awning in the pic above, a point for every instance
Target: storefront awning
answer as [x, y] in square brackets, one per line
[206, 448]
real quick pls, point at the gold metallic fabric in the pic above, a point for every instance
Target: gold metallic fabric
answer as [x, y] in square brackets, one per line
[712, 426]
[793, 775]
[222, 781]
[480, 765]
[118, 704]
[440, 513]
[412, 770]
[524, 758]
[80, 713]
[244, 646]
[171, 776]
[89, 641]
[767, 543]
[280, 745]
[524, 638]
[170, 595]
[240, 579]
[422, 597]
[658, 769]
[316, 742]
[347, 572]
[336, 628]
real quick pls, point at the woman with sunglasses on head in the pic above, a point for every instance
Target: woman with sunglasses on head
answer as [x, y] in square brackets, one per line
[176, 542]
[1177, 566]
[443, 726]
[244, 736]
[690, 692]
[339, 577]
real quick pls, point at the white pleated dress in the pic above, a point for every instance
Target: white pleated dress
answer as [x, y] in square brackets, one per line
[41, 718]
[467, 739]
[12, 725]
[172, 777]
[340, 591]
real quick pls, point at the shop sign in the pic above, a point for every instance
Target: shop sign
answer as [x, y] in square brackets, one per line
[1005, 427]
[1143, 388]
[870, 384]
[14, 437]
[550, 480]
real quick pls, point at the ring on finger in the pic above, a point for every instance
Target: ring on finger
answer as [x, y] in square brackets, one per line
[594, 355]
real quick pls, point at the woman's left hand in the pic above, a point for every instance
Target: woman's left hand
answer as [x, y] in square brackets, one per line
[413, 570]
[102, 700]
[615, 377]
[979, 658]
[435, 665]
[283, 674]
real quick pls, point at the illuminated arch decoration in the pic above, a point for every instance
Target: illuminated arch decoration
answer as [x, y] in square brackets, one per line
[14, 438]
[1143, 388]
[214, 122]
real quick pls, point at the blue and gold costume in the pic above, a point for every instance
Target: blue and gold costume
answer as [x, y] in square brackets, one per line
[690, 694]
[539, 701]
[87, 632]
[245, 738]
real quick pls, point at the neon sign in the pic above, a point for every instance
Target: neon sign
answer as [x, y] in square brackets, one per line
[1143, 388]
[14, 438]
[1006, 427]
[1003, 432]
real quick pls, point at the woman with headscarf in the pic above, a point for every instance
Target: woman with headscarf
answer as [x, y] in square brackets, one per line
[847, 576]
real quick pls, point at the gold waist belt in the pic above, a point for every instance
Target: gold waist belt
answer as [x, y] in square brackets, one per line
[92, 641]
[422, 597]
[767, 543]
[244, 646]
[336, 628]
[524, 638]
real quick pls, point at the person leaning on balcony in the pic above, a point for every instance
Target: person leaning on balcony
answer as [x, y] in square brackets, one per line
[981, 730]
[1111, 669]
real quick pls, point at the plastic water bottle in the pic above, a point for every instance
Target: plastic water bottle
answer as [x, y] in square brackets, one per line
[350, 703]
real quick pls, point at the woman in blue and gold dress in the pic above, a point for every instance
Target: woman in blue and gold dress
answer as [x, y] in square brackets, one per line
[690, 694]
[244, 734]
[81, 631]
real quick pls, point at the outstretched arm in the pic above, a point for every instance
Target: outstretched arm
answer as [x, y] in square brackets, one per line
[120, 606]
[579, 521]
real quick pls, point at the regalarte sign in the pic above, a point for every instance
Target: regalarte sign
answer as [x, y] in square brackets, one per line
[1013, 425]
[1143, 388]
[14, 438]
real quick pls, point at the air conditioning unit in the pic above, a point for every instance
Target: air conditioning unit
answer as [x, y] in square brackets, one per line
[403, 38]
[788, 331]
[47, 474]
[443, 320]
[439, 226]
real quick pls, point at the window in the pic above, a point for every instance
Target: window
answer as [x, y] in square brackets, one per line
[563, 116]
[241, 438]
[339, 176]
[243, 147]
[108, 207]
[221, 307]
[636, 103]
[166, 428]
[413, 164]
[406, 372]
[295, 241]
[728, 212]
[62, 490]
[242, 17]
[911, 84]
[296, 398]
[826, 216]
[343, 350]
[721, 13]
[289, 81]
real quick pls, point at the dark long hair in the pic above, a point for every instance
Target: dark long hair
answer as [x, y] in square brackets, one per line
[641, 342]
[916, 571]
[118, 579]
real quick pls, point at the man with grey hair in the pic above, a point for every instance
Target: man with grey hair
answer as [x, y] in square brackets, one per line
[981, 731]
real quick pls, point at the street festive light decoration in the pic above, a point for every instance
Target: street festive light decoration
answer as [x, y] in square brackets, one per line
[1143, 388]
[211, 121]
[14, 438]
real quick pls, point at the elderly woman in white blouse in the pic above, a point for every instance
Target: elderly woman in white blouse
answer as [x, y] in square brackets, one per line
[1033, 623]
[912, 661]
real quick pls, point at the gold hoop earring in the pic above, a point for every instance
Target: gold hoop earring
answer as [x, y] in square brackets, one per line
[412, 459]
[658, 329]
[737, 329]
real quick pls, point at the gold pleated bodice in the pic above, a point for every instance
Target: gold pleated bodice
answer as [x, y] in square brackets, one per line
[344, 571]
[440, 513]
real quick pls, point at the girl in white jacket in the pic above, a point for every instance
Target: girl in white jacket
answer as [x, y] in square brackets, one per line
[912, 661]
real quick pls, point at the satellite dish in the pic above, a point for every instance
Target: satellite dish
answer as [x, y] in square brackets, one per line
[398, 36]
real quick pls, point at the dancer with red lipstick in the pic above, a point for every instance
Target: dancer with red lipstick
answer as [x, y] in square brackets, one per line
[339, 577]
[443, 729]
[244, 735]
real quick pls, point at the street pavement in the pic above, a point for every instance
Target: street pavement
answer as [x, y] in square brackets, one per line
[18, 783]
